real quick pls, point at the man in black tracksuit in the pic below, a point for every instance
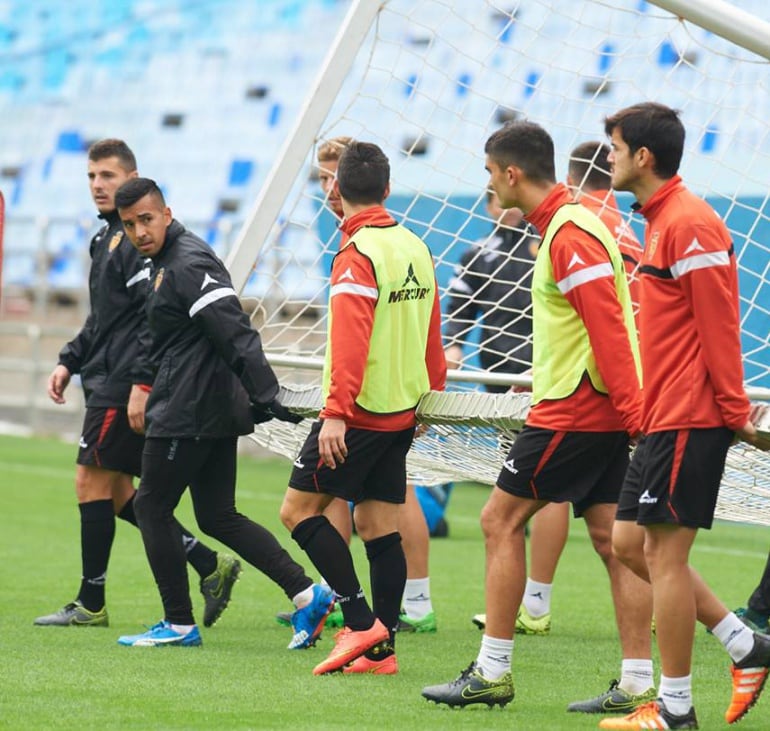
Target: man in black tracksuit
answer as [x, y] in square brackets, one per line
[107, 355]
[493, 281]
[211, 383]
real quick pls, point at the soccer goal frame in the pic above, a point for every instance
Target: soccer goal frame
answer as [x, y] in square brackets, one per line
[330, 109]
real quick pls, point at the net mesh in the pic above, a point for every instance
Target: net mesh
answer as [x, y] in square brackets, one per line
[432, 80]
[466, 436]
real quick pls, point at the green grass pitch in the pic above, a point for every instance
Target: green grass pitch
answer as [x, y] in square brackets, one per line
[244, 677]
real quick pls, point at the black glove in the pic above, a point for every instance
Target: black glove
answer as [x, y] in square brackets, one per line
[274, 410]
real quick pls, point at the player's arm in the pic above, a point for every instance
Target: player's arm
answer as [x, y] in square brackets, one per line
[462, 306]
[435, 360]
[708, 281]
[136, 271]
[71, 358]
[583, 272]
[216, 310]
[352, 304]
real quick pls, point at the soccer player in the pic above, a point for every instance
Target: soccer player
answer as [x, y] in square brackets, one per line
[694, 406]
[494, 281]
[106, 355]
[384, 352]
[418, 614]
[588, 177]
[211, 384]
[586, 402]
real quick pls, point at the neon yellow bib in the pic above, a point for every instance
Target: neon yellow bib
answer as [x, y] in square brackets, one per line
[396, 375]
[562, 352]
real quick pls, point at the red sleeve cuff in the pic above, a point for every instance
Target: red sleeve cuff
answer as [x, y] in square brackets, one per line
[144, 387]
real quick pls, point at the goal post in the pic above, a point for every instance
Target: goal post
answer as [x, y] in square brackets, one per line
[292, 156]
[724, 19]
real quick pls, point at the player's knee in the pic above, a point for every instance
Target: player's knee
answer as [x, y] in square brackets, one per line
[210, 524]
[92, 484]
[147, 509]
[602, 544]
[494, 525]
[625, 553]
[289, 515]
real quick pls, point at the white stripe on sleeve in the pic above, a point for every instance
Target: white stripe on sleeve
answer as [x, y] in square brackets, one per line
[213, 296]
[701, 261]
[138, 277]
[597, 271]
[359, 289]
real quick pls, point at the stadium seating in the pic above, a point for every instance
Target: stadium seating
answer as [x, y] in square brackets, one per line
[206, 93]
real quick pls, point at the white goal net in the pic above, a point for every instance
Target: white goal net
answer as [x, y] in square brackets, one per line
[428, 81]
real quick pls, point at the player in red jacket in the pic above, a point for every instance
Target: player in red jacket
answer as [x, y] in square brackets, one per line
[694, 406]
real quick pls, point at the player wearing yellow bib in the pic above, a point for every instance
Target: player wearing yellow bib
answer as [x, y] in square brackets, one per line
[587, 401]
[384, 352]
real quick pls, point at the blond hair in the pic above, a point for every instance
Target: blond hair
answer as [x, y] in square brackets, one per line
[331, 149]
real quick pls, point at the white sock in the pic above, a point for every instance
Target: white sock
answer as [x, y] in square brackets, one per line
[676, 693]
[735, 636]
[636, 676]
[494, 658]
[537, 598]
[182, 629]
[303, 598]
[417, 603]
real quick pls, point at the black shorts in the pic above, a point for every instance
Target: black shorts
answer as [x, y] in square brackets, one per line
[109, 442]
[375, 468]
[674, 478]
[582, 468]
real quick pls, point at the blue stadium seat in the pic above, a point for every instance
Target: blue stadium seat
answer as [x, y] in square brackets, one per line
[70, 141]
[710, 137]
[463, 85]
[240, 172]
[274, 115]
[607, 55]
[530, 83]
[667, 55]
[410, 85]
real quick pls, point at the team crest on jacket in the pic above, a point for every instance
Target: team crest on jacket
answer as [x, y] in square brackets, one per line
[158, 279]
[654, 243]
[115, 240]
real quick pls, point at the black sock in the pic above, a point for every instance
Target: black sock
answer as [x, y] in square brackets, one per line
[387, 574]
[97, 531]
[331, 556]
[199, 556]
[127, 511]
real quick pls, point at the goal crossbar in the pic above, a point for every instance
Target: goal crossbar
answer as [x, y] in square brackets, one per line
[467, 436]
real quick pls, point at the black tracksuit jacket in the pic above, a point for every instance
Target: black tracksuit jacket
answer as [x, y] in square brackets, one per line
[208, 360]
[494, 281]
[107, 350]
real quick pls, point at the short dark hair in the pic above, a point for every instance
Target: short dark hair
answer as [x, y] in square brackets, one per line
[135, 189]
[112, 147]
[654, 126]
[527, 146]
[363, 173]
[588, 166]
